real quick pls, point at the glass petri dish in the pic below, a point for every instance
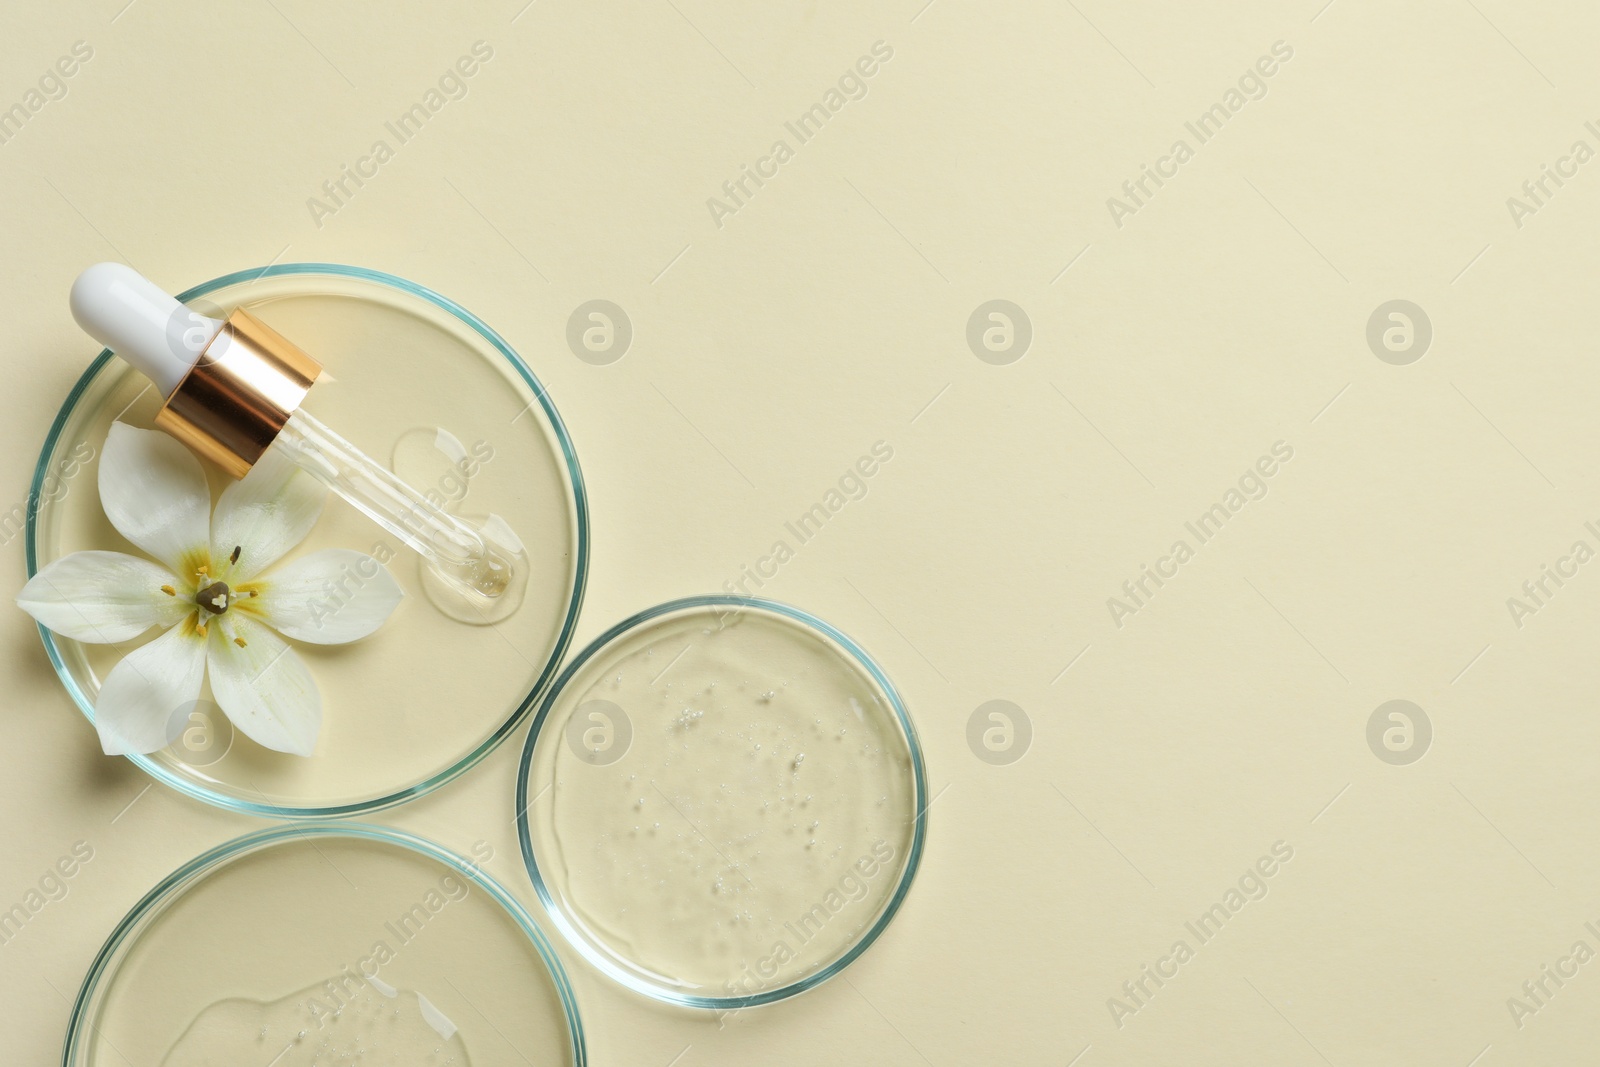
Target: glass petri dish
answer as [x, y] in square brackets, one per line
[415, 380]
[313, 943]
[722, 801]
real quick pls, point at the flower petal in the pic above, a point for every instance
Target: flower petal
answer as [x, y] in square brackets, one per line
[264, 688]
[329, 597]
[143, 704]
[154, 492]
[264, 514]
[103, 597]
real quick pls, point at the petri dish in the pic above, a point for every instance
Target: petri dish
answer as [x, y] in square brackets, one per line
[722, 801]
[326, 943]
[414, 380]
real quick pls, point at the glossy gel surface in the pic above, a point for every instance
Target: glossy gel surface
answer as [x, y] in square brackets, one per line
[726, 802]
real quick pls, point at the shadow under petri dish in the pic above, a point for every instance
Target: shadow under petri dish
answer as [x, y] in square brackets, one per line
[326, 949]
[425, 696]
[728, 802]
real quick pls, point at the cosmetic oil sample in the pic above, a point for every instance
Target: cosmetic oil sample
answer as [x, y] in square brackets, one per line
[417, 701]
[328, 947]
[327, 1025]
[732, 802]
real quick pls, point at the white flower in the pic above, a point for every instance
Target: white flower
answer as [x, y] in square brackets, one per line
[209, 594]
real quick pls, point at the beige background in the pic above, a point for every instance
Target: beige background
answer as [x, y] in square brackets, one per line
[1227, 314]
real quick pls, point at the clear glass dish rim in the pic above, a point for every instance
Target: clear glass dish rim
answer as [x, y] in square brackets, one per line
[580, 501]
[173, 884]
[920, 796]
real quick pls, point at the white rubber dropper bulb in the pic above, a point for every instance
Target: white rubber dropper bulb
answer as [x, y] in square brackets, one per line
[136, 319]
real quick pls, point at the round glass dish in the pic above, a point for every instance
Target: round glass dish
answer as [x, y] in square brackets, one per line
[309, 943]
[410, 376]
[722, 801]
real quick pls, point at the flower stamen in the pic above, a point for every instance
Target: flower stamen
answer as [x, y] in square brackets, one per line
[234, 557]
[167, 589]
